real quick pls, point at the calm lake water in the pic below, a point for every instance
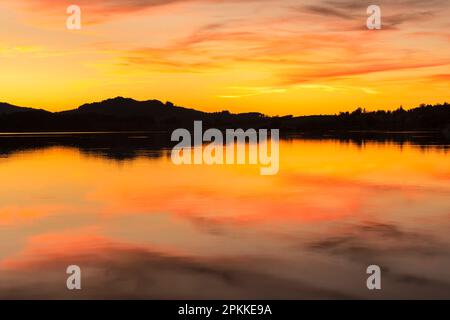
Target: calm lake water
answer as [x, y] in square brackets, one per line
[141, 227]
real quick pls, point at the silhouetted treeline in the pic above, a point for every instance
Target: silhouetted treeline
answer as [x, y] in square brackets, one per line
[122, 114]
[425, 117]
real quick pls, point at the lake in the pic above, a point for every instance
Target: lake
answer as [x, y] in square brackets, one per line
[139, 226]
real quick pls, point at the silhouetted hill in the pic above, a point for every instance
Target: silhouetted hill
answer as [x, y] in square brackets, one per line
[125, 114]
[126, 107]
[6, 108]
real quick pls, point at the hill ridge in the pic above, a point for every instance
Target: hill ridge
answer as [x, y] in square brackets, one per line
[127, 114]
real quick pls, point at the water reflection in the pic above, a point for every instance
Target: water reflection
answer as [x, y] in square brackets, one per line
[140, 227]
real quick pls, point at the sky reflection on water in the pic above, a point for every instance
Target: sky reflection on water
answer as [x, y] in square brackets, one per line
[141, 227]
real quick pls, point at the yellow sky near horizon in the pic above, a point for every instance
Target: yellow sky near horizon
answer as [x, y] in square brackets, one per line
[272, 56]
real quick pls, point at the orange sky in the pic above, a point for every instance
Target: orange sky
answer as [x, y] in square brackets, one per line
[273, 56]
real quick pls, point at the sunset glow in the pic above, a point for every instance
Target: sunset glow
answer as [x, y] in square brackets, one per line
[275, 57]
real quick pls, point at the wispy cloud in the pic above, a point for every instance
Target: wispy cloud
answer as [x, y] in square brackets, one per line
[102, 10]
[242, 92]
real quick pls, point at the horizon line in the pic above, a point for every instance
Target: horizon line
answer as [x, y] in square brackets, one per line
[220, 111]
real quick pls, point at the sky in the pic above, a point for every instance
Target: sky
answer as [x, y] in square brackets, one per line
[277, 57]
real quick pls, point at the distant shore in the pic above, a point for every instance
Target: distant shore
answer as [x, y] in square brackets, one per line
[128, 115]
